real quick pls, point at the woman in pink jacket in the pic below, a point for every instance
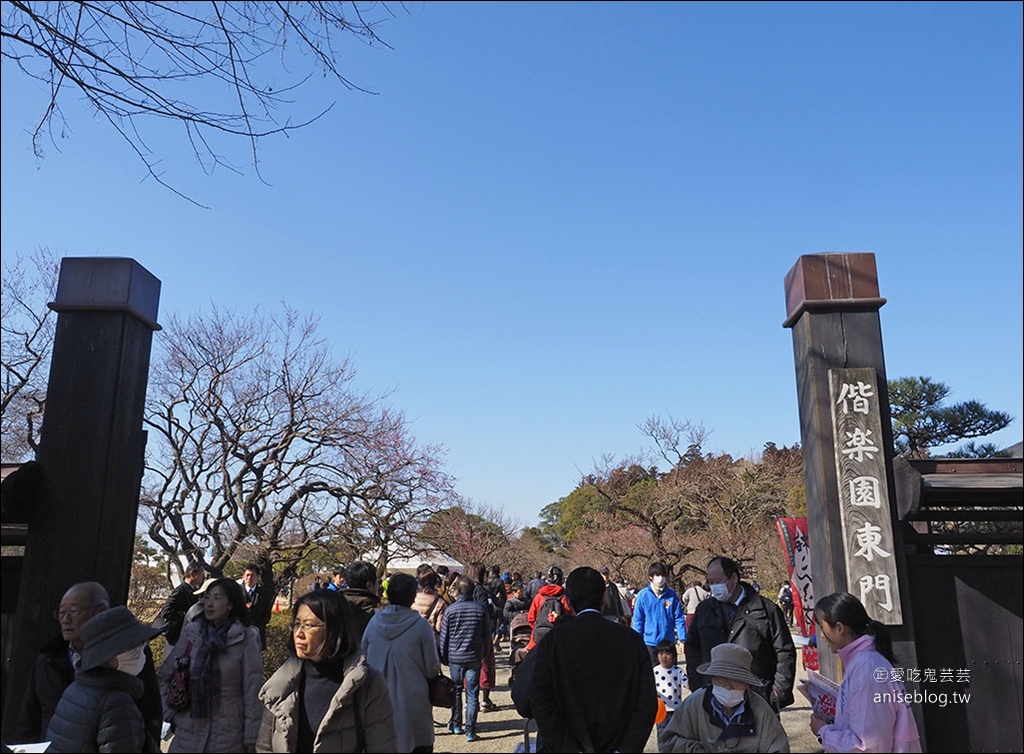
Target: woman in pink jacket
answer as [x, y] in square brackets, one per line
[872, 712]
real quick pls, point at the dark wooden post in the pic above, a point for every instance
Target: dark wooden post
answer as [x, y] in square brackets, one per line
[91, 449]
[832, 304]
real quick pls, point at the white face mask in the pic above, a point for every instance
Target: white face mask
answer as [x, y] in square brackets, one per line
[133, 661]
[728, 697]
[658, 581]
[720, 592]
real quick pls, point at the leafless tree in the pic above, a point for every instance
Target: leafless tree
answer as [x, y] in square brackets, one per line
[133, 62]
[27, 325]
[260, 445]
[624, 548]
[147, 590]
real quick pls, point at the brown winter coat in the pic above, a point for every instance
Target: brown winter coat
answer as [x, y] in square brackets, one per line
[431, 606]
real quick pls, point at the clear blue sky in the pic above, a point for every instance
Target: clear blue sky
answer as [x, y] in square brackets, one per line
[553, 221]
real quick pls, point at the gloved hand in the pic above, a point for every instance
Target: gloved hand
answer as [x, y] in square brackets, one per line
[781, 699]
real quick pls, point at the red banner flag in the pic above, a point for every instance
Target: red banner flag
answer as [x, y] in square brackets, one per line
[796, 544]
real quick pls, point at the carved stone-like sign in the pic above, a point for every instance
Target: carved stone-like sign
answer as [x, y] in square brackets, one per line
[864, 492]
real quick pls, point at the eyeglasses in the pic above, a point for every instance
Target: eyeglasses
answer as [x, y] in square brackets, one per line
[71, 612]
[307, 627]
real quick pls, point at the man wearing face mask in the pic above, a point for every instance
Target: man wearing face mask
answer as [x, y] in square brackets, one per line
[54, 669]
[725, 716]
[657, 613]
[739, 615]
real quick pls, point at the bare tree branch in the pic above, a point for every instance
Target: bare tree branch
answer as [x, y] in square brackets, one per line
[260, 444]
[133, 61]
[26, 338]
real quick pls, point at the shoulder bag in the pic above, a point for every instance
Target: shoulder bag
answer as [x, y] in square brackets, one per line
[442, 690]
[177, 694]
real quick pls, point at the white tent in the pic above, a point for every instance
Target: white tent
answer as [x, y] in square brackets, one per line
[408, 560]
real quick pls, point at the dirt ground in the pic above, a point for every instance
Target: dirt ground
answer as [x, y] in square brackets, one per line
[501, 731]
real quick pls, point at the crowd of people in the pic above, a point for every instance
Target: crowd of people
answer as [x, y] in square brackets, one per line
[595, 665]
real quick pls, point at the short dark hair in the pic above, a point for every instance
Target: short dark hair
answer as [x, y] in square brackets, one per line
[194, 566]
[667, 646]
[330, 607]
[402, 589]
[584, 589]
[339, 571]
[656, 569]
[466, 585]
[555, 575]
[361, 575]
[517, 586]
[442, 570]
[252, 567]
[729, 566]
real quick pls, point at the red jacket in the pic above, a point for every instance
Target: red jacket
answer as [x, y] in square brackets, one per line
[548, 590]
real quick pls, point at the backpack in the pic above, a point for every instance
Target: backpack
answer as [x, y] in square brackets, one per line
[611, 602]
[550, 610]
[498, 594]
[484, 596]
[786, 598]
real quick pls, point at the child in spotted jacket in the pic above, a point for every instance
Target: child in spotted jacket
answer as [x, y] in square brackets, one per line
[670, 682]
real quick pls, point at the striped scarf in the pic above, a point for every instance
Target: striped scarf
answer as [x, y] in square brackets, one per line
[204, 682]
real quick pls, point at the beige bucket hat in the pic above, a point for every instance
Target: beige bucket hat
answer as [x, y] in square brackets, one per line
[730, 661]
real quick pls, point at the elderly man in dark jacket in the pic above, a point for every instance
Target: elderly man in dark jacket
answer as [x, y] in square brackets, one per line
[99, 711]
[465, 636]
[54, 669]
[739, 615]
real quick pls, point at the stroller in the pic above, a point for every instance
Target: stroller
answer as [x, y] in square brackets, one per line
[520, 631]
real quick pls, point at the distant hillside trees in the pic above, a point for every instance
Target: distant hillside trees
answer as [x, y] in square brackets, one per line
[679, 504]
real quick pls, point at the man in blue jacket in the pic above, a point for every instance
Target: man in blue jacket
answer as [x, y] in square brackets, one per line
[465, 635]
[658, 614]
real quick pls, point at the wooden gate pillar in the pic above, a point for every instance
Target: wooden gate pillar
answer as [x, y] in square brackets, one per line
[91, 449]
[832, 304]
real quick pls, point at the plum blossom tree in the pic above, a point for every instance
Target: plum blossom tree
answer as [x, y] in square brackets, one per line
[470, 532]
[260, 444]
